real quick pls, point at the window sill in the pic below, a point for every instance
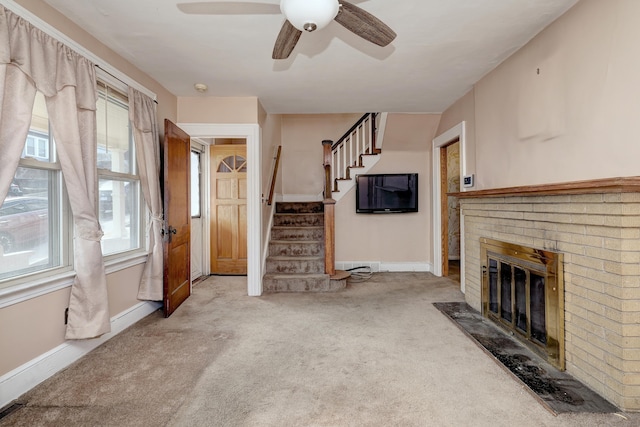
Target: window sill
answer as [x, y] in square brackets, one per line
[25, 291]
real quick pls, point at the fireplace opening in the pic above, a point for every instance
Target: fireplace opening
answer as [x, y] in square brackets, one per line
[522, 291]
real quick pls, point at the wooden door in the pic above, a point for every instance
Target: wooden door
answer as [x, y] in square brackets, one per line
[177, 218]
[229, 209]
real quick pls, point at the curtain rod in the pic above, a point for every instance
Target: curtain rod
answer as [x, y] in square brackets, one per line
[120, 80]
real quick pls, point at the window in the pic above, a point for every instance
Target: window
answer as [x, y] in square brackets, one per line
[34, 222]
[118, 182]
[37, 146]
[195, 184]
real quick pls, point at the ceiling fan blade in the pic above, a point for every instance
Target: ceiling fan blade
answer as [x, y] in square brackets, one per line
[364, 24]
[286, 41]
[229, 8]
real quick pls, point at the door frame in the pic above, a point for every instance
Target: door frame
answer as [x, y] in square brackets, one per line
[250, 132]
[455, 133]
[203, 149]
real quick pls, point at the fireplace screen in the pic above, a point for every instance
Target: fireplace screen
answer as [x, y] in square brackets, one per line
[522, 290]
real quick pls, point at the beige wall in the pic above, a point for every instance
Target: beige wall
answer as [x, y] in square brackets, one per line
[37, 325]
[463, 110]
[394, 237]
[271, 127]
[572, 121]
[210, 109]
[302, 136]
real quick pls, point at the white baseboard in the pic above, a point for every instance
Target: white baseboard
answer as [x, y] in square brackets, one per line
[15, 383]
[380, 266]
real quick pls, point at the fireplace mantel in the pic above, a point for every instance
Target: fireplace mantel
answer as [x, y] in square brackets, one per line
[608, 185]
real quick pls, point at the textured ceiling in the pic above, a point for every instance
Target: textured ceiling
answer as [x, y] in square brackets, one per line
[443, 47]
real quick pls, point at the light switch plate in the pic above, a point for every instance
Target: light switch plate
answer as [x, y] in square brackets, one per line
[468, 181]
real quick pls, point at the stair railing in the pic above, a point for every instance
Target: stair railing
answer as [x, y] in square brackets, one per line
[339, 158]
[347, 152]
[329, 213]
[276, 164]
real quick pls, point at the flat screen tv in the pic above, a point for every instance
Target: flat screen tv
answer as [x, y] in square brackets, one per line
[387, 193]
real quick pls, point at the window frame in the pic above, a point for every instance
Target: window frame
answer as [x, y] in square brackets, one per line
[29, 285]
[107, 174]
[60, 211]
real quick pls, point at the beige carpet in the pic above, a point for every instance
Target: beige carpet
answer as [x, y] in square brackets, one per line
[376, 354]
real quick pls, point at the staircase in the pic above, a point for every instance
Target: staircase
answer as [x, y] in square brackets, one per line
[356, 152]
[296, 251]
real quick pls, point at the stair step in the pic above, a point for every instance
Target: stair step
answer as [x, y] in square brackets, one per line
[299, 207]
[291, 233]
[298, 220]
[304, 248]
[294, 265]
[297, 283]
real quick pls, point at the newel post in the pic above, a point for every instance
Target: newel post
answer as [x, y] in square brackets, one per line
[329, 213]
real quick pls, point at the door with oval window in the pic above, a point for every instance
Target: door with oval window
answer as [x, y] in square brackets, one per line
[229, 209]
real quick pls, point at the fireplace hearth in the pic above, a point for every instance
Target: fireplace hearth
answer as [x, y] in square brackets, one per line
[522, 291]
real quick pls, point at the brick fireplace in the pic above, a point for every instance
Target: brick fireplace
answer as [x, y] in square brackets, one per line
[595, 225]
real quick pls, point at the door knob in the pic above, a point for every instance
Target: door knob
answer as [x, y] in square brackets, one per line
[167, 233]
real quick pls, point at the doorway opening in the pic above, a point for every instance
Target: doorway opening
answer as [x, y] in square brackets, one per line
[441, 253]
[251, 134]
[450, 225]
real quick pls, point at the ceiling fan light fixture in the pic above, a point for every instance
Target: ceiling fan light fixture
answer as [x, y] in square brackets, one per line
[309, 15]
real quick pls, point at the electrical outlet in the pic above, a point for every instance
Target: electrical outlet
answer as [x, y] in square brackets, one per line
[467, 181]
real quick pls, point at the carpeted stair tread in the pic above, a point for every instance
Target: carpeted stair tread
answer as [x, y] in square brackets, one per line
[299, 207]
[296, 248]
[291, 233]
[297, 275]
[298, 219]
[295, 258]
[301, 241]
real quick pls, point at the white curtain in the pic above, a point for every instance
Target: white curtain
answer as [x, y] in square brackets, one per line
[32, 60]
[142, 114]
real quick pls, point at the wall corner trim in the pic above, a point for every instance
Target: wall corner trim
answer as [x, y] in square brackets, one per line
[15, 383]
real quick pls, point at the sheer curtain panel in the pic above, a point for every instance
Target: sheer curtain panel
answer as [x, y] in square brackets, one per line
[68, 82]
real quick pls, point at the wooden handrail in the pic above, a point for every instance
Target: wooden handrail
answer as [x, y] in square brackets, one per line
[275, 174]
[354, 127]
[329, 213]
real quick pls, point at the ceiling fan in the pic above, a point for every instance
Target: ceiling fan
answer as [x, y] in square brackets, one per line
[302, 15]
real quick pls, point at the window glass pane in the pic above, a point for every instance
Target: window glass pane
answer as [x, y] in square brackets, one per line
[195, 184]
[241, 164]
[119, 215]
[30, 225]
[115, 146]
[226, 165]
[38, 145]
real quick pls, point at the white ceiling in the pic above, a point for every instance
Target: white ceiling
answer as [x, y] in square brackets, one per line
[443, 47]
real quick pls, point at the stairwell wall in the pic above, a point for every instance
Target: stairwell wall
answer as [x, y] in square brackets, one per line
[393, 242]
[271, 125]
[302, 135]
